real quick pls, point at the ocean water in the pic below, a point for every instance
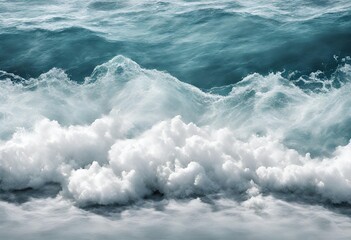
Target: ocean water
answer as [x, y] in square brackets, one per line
[178, 119]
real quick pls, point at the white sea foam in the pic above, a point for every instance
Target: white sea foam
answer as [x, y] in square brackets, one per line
[134, 153]
[143, 131]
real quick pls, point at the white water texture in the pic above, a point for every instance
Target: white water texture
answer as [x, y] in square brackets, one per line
[127, 133]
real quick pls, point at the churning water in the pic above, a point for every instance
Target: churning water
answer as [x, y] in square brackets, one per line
[146, 119]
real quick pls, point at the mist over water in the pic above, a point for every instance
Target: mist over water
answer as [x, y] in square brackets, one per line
[157, 119]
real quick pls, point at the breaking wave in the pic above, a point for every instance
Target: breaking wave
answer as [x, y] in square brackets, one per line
[128, 133]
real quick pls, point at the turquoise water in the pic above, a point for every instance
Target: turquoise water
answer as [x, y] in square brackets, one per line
[204, 43]
[157, 119]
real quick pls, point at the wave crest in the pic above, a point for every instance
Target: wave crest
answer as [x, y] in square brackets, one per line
[118, 138]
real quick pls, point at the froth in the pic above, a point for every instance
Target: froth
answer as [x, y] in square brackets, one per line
[173, 158]
[127, 133]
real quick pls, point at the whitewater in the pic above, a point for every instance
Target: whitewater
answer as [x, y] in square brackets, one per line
[175, 119]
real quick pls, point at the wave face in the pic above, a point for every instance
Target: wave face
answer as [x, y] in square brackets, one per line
[146, 113]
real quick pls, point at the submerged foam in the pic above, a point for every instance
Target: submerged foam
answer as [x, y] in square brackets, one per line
[118, 138]
[172, 219]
